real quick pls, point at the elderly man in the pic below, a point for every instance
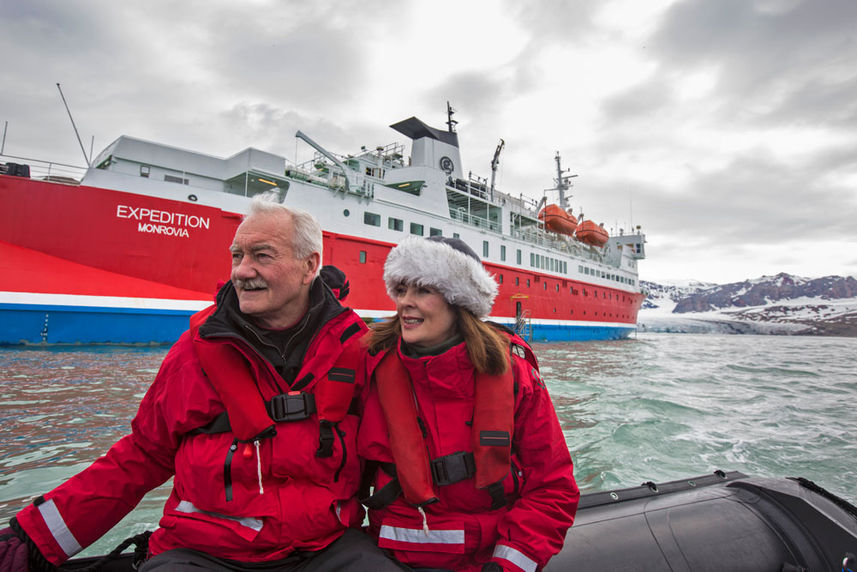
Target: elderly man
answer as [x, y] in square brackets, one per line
[253, 413]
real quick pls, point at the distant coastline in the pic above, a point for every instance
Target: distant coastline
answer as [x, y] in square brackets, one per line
[773, 305]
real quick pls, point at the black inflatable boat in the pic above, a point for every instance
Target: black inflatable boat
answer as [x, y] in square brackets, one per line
[723, 522]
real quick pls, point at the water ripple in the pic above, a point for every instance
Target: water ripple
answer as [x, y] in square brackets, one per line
[664, 407]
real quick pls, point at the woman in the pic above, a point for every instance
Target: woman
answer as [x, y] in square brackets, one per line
[469, 465]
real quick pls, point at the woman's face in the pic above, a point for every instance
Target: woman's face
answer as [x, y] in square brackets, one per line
[426, 319]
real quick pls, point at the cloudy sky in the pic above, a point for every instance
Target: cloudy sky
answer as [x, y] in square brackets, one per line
[727, 129]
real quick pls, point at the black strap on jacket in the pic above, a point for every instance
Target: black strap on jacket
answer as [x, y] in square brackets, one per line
[445, 470]
[292, 406]
[386, 494]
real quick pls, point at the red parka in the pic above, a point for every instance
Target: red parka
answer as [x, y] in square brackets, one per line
[462, 530]
[253, 501]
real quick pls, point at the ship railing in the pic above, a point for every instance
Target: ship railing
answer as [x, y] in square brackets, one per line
[48, 170]
[475, 220]
[321, 172]
[520, 205]
[540, 237]
[391, 155]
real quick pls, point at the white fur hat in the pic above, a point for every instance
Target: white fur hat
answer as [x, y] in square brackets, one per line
[446, 264]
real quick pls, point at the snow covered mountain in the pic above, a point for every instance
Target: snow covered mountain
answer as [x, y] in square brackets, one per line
[781, 304]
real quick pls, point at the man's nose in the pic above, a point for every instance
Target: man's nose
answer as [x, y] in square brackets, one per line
[244, 269]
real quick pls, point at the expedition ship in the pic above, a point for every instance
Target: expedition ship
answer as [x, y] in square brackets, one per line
[126, 254]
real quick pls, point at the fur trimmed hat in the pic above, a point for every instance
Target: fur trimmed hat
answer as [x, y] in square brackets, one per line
[445, 264]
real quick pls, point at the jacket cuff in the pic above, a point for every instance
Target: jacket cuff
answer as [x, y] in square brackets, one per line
[513, 559]
[47, 531]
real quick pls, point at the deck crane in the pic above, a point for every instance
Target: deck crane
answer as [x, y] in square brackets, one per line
[494, 163]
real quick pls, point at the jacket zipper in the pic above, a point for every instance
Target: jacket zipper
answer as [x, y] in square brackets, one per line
[227, 470]
[341, 434]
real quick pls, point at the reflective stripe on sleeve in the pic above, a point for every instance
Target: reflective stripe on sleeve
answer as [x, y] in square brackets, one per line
[516, 557]
[419, 536]
[248, 521]
[55, 523]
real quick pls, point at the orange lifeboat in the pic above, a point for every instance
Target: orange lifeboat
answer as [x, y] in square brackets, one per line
[591, 233]
[557, 220]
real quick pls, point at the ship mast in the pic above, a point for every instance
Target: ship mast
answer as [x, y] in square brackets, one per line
[562, 183]
[494, 163]
[450, 122]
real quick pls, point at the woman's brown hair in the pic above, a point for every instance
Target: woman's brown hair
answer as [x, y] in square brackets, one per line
[487, 348]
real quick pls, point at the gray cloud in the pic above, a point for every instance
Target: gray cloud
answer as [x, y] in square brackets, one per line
[218, 77]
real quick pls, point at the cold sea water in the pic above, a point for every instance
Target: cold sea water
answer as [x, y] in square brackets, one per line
[657, 407]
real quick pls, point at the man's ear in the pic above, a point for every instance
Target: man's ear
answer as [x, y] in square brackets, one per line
[312, 262]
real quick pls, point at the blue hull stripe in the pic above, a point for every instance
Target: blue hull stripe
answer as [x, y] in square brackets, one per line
[40, 324]
[571, 332]
[63, 324]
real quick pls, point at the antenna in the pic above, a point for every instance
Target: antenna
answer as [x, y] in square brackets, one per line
[82, 150]
[450, 121]
[562, 182]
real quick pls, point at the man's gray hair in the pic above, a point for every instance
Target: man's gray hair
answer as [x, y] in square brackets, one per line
[307, 238]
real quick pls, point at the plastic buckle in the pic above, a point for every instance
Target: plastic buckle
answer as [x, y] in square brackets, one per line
[293, 406]
[452, 468]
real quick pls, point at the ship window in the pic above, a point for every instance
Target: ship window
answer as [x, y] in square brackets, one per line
[501, 278]
[503, 252]
[517, 281]
[417, 229]
[174, 179]
[435, 232]
[519, 256]
[532, 259]
[528, 282]
[346, 212]
[484, 248]
[557, 287]
[580, 268]
[144, 171]
[545, 284]
[362, 257]
[395, 224]
[456, 235]
[371, 218]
